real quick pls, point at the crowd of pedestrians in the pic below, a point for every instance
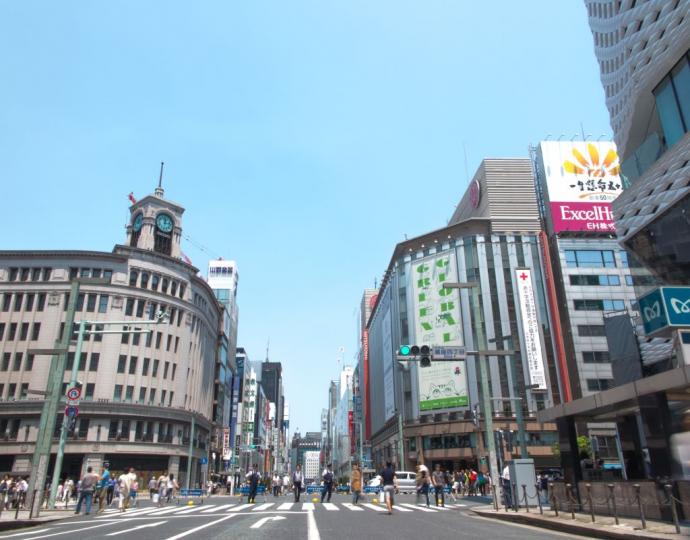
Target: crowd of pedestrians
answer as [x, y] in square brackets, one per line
[13, 492]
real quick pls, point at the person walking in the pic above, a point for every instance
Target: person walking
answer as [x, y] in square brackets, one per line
[297, 481]
[171, 486]
[439, 481]
[103, 486]
[448, 477]
[422, 482]
[253, 478]
[327, 477]
[88, 485]
[356, 483]
[153, 487]
[507, 488]
[390, 485]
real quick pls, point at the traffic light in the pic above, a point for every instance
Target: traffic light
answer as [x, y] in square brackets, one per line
[415, 352]
[425, 359]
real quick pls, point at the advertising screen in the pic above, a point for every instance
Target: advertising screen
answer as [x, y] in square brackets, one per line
[582, 179]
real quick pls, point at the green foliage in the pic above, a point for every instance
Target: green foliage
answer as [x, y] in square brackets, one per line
[584, 446]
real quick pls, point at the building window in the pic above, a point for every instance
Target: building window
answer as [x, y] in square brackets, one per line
[145, 366]
[596, 357]
[17, 366]
[24, 391]
[93, 361]
[129, 307]
[83, 430]
[30, 301]
[24, 332]
[141, 304]
[129, 393]
[142, 394]
[133, 365]
[591, 330]
[169, 343]
[152, 395]
[596, 385]
[144, 280]
[159, 336]
[103, 303]
[6, 302]
[91, 302]
[18, 299]
[5, 361]
[29, 362]
[133, 277]
[117, 394]
[82, 362]
[154, 371]
[590, 258]
[90, 388]
[174, 370]
[166, 366]
[2, 331]
[40, 306]
[13, 332]
[599, 305]
[154, 282]
[35, 331]
[121, 362]
[673, 102]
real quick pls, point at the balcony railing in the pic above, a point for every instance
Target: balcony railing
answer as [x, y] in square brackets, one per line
[642, 159]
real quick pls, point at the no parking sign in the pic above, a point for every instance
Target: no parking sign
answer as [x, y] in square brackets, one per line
[74, 393]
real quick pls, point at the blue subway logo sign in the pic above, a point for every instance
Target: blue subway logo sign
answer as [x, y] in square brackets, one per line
[665, 308]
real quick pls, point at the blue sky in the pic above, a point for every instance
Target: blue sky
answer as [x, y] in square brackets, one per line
[304, 138]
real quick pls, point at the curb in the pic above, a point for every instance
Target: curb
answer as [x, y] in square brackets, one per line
[11, 525]
[573, 528]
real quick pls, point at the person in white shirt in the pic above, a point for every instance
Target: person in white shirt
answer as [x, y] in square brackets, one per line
[507, 488]
[297, 482]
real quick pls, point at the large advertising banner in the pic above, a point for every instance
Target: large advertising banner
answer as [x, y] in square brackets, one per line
[442, 385]
[582, 179]
[530, 327]
[388, 371]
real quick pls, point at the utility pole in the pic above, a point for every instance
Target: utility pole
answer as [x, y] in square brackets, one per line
[190, 453]
[44, 438]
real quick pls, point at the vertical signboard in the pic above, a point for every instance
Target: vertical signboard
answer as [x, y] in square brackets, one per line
[530, 327]
[388, 371]
[582, 179]
[227, 453]
[442, 385]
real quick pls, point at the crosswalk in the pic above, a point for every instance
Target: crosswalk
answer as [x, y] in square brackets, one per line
[215, 509]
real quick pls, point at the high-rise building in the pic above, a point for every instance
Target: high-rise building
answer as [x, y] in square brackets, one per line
[312, 469]
[140, 392]
[642, 49]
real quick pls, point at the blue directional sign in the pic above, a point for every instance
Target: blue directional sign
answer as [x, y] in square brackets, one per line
[204, 460]
[665, 308]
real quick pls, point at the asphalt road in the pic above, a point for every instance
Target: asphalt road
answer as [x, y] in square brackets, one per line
[223, 517]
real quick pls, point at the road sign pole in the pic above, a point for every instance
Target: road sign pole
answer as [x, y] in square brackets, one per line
[191, 453]
[44, 439]
[65, 419]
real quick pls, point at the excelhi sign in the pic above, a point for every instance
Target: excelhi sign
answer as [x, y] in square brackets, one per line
[582, 179]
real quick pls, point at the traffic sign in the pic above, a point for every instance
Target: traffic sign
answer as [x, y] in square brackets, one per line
[71, 411]
[449, 353]
[204, 460]
[73, 393]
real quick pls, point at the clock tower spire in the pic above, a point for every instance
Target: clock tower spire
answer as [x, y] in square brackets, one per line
[156, 223]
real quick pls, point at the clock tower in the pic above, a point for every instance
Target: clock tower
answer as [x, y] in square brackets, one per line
[155, 224]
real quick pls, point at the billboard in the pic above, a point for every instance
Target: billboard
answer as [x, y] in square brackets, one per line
[437, 321]
[581, 179]
[530, 327]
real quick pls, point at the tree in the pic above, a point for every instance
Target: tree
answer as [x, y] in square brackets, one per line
[584, 446]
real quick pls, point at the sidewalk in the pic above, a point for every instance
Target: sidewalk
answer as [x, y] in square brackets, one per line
[604, 527]
[8, 521]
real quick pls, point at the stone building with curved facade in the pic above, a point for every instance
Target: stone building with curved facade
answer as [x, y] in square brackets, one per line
[141, 393]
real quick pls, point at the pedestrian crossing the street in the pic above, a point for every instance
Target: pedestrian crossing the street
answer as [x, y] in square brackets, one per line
[214, 510]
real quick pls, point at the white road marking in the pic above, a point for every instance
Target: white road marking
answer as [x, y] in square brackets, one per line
[422, 508]
[135, 528]
[330, 506]
[308, 506]
[285, 506]
[241, 507]
[375, 507]
[353, 507]
[400, 508]
[166, 511]
[313, 530]
[259, 523]
[189, 510]
[72, 531]
[261, 507]
[25, 532]
[217, 508]
[200, 527]
[127, 514]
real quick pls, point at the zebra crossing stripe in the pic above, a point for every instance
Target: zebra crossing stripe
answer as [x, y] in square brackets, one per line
[353, 507]
[400, 508]
[330, 506]
[217, 509]
[421, 508]
[241, 507]
[190, 510]
[165, 511]
[308, 506]
[262, 507]
[375, 507]
[285, 506]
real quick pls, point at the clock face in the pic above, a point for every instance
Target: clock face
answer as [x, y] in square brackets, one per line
[138, 221]
[164, 223]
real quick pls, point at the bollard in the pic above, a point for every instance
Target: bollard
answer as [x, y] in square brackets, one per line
[568, 494]
[554, 499]
[612, 496]
[493, 490]
[669, 493]
[16, 513]
[524, 495]
[589, 499]
[541, 509]
[640, 506]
